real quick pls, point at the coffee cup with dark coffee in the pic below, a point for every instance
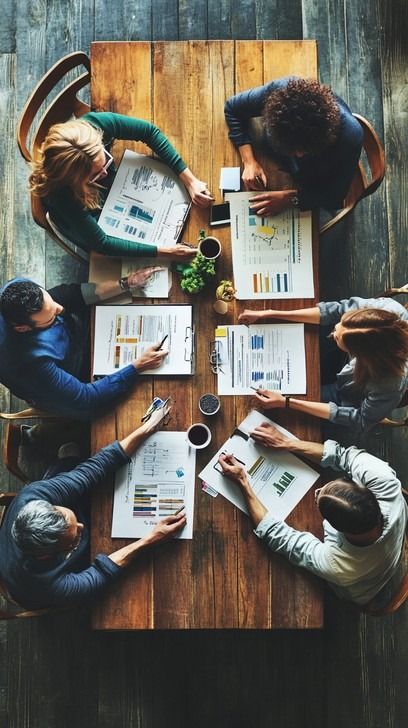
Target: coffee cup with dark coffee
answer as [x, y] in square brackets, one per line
[198, 436]
[210, 247]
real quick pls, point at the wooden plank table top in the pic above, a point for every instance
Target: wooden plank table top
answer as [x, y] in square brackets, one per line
[225, 577]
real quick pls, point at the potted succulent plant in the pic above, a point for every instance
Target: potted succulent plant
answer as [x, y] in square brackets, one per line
[224, 293]
[197, 273]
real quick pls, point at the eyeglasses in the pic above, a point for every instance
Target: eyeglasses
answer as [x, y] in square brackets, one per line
[102, 171]
[214, 356]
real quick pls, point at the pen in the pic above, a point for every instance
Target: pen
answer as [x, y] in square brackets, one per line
[179, 510]
[162, 342]
[258, 391]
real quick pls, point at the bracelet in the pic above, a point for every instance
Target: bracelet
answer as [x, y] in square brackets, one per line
[124, 283]
[287, 400]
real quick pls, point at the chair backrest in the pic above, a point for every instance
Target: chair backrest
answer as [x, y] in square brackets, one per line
[64, 106]
[363, 185]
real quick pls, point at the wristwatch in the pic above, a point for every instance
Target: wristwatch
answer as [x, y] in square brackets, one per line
[124, 283]
[295, 200]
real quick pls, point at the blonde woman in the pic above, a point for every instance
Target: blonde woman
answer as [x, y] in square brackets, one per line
[75, 171]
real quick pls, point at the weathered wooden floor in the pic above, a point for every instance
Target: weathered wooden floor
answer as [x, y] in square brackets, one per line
[55, 673]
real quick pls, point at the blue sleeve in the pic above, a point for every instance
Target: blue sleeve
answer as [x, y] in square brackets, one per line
[75, 588]
[58, 391]
[377, 404]
[326, 179]
[332, 311]
[239, 109]
[63, 489]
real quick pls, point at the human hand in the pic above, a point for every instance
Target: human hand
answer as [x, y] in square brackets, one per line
[199, 192]
[269, 399]
[249, 317]
[139, 278]
[233, 469]
[182, 250]
[157, 417]
[253, 176]
[151, 358]
[269, 436]
[271, 203]
[167, 528]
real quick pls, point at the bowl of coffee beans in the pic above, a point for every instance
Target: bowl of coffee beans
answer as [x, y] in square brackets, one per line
[209, 404]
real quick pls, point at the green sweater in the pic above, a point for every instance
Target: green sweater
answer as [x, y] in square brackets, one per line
[81, 225]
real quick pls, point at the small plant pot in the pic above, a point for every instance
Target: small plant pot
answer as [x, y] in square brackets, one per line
[209, 404]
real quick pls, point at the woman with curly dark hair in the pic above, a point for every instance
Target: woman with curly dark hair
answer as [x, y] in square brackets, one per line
[309, 130]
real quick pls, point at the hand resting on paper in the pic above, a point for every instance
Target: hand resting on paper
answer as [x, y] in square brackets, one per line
[152, 358]
[182, 250]
[269, 399]
[156, 418]
[272, 203]
[139, 278]
[166, 528]
[250, 316]
[269, 436]
[253, 176]
[234, 470]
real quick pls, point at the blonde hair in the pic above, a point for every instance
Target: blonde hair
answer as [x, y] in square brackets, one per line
[65, 159]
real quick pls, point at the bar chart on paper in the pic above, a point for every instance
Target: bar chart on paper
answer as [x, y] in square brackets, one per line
[272, 256]
[158, 482]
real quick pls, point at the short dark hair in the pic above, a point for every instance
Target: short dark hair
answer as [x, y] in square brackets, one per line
[19, 300]
[349, 507]
[302, 116]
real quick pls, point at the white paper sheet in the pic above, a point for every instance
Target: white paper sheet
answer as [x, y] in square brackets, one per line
[279, 479]
[158, 285]
[158, 481]
[147, 203]
[122, 333]
[271, 256]
[271, 356]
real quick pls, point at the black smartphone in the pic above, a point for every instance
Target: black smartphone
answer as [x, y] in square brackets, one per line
[220, 214]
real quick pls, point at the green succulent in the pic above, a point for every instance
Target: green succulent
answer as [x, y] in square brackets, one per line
[195, 276]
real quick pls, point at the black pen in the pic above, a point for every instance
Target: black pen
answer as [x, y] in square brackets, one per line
[258, 391]
[162, 342]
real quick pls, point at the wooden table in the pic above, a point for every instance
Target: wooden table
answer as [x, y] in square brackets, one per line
[225, 577]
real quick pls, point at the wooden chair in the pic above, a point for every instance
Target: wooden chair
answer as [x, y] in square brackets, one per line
[64, 106]
[11, 438]
[14, 610]
[361, 186]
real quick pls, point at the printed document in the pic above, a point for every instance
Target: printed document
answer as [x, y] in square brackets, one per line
[159, 283]
[122, 333]
[271, 256]
[147, 203]
[157, 482]
[270, 356]
[279, 479]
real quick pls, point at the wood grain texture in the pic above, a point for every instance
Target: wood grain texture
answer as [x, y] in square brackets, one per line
[224, 577]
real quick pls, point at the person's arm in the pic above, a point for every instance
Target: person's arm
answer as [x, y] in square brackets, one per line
[96, 292]
[269, 436]
[377, 404]
[118, 126]
[55, 390]
[269, 399]
[300, 315]
[299, 547]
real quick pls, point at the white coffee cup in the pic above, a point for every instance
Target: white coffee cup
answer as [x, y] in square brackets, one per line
[198, 436]
[210, 247]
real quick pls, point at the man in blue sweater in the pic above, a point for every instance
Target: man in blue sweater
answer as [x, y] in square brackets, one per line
[45, 345]
[44, 539]
[310, 132]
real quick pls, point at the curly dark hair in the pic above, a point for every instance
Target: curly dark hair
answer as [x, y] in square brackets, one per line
[19, 301]
[301, 117]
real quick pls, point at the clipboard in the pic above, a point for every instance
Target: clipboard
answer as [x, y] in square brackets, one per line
[123, 332]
